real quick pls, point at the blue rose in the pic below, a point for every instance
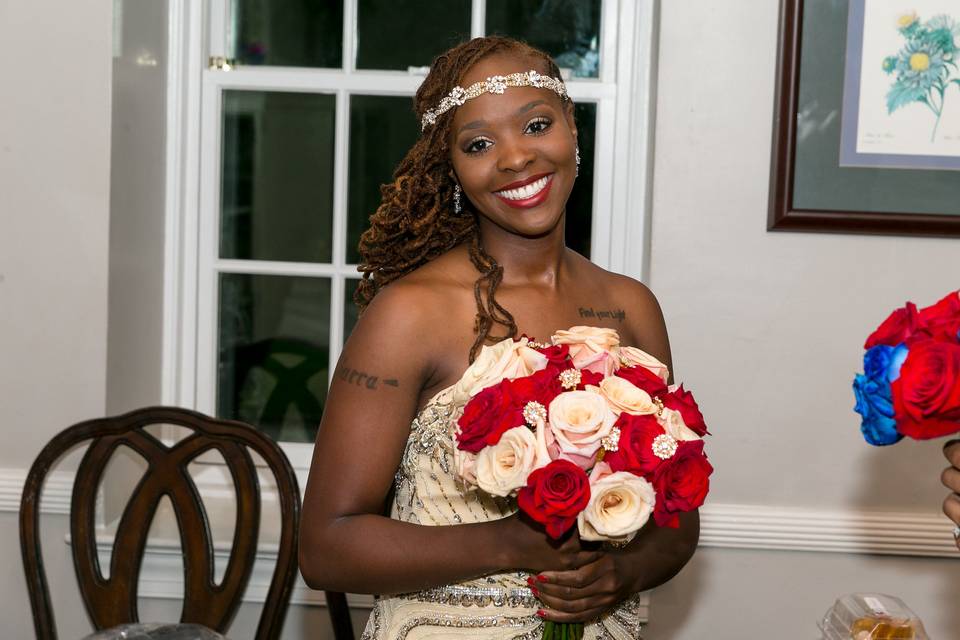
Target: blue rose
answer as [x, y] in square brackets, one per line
[875, 405]
[881, 365]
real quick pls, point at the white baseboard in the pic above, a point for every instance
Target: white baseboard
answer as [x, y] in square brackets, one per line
[730, 526]
[734, 526]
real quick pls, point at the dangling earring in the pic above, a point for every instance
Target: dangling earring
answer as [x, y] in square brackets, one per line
[457, 206]
[578, 161]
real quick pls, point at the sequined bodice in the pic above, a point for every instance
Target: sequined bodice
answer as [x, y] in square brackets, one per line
[427, 489]
[428, 492]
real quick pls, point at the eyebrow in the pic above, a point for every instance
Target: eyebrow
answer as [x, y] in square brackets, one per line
[477, 124]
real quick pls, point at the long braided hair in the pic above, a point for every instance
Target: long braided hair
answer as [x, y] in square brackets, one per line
[415, 222]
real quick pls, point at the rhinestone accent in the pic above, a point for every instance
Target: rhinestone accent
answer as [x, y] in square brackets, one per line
[494, 84]
[534, 411]
[657, 401]
[611, 443]
[570, 378]
[664, 446]
[469, 596]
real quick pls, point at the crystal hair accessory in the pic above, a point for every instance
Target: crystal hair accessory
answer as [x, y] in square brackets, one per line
[494, 84]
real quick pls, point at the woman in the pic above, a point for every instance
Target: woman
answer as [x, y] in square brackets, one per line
[470, 235]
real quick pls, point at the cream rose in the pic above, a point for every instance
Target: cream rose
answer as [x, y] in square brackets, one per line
[503, 468]
[631, 356]
[591, 348]
[620, 504]
[672, 422]
[622, 395]
[465, 464]
[578, 421]
[508, 358]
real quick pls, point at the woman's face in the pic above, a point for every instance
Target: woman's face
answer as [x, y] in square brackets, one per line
[513, 153]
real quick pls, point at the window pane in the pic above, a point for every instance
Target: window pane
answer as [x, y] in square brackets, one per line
[274, 346]
[569, 30]
[396, 34]
[382, 129]
[277, 185]
[580, 204]
[350, 311]
[289, 33]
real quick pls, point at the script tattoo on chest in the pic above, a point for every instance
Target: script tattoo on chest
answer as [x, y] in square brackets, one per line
[363, 379]
[614, 314]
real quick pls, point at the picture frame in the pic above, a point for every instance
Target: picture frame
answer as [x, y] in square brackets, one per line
[809, 189]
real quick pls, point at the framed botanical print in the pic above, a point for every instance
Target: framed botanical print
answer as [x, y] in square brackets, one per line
[867, 124]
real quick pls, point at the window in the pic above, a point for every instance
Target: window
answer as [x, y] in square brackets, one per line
[293, 144]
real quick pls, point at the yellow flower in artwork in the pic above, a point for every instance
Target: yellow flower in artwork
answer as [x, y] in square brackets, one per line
[920, 61]
[904, 20]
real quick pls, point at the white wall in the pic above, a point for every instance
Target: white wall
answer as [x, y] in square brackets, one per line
[54, 215]
[54, 212]
[768, 329]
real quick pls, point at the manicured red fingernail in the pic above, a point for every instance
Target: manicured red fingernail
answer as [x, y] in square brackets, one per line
[541, 612]
[535, 592]
[542, 578]
[530, 581]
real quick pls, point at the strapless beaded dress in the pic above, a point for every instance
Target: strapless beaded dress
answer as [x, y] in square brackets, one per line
[495, 606]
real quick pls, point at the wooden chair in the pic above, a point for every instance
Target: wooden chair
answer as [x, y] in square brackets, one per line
[113, 601]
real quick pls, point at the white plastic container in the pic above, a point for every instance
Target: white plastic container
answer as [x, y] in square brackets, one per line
[871, 616]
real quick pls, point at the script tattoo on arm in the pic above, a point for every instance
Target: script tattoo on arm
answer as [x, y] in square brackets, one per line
[363, 379]
[615, 314]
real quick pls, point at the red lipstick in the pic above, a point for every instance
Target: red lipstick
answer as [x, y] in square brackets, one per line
[526, 203]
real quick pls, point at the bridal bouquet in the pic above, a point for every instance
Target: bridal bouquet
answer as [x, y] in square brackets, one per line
[911, 380]
[583, 432]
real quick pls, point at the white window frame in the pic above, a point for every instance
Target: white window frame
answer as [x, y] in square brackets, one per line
[623, 92]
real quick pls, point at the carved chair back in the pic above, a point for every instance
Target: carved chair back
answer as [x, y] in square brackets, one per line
[112, 601]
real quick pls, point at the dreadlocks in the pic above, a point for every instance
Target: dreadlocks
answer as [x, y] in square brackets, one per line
[414, 222]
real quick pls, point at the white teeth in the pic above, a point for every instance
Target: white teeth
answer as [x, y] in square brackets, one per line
[526, 191]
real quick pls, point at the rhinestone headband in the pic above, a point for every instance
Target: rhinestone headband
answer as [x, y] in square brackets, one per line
[494, 84]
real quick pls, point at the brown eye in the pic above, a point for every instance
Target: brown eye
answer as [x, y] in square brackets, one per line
[478, 145]
[538, 125]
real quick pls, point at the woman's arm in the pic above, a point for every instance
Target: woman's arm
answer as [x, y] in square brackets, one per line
[951, 480]
[346, 544]
[656, 554]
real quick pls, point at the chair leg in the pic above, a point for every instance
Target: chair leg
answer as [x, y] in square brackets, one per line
[339, 615]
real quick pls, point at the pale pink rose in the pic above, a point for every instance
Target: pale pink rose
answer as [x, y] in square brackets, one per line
[622, 395]
[631, 356]
[503, 468]
[672, 422]
[508, 359]
[620, 504]
[579, 420]
[465, 465]
[591, 348]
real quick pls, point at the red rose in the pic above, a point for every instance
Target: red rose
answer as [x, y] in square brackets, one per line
[942, 320]
[540, 386]
[589, 377]
[926, 396]
[558, 354]
[682, 400]
[555, 495]
[635, 448]
[901, 325]
[682, 483]
[487, 416]
[643, 378]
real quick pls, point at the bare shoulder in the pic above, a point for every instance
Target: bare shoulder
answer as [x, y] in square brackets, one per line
[413, 317]
[643, 323]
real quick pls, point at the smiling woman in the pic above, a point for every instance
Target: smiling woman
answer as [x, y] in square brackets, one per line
[468, 243]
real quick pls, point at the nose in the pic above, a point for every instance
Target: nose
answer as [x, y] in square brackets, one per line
[515, 154]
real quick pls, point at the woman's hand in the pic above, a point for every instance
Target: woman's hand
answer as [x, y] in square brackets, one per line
[951, 480]
[528, 547]
[582, 594]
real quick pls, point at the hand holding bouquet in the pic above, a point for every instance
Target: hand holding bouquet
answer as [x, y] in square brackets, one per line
[582, 432]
